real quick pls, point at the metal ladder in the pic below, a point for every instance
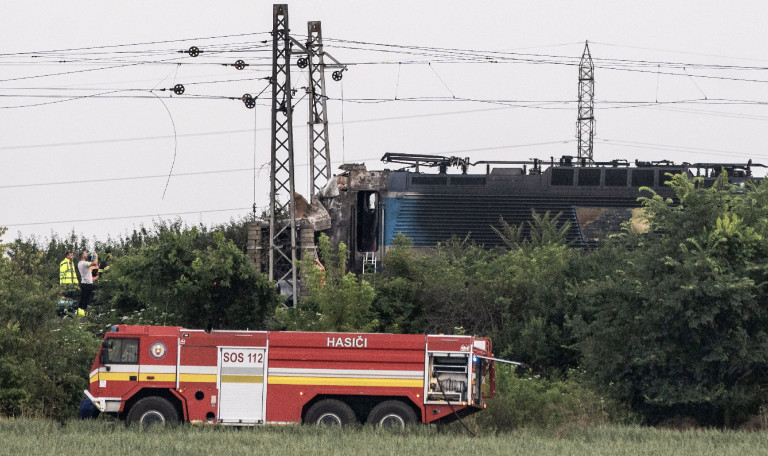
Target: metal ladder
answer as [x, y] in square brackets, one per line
[369, 261]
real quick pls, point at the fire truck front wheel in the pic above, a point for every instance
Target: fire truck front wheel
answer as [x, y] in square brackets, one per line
[330, 412]
[394, 414]
[152, 411]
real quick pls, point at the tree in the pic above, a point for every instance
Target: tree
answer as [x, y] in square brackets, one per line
[44, 360]
[51, 253]
[429, 291]
[177, 281]
[678, 324]
[520, 297]
[337, 300]
[541, 230]
[169, 275]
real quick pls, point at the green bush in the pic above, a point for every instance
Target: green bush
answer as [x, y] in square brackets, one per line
[44, 360]
[337, 300]
[535, 402]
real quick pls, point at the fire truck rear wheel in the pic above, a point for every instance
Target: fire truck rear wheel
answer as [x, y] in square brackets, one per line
[330, 412]
[153, 411]
[392, 414]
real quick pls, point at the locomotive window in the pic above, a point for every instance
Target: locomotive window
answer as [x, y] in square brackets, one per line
[371, 202]
[562, 176]
[429, 180]
[467, 181]
[663, 178]
[589, 177]
[120, 351]
[615, 177]
[642, 177]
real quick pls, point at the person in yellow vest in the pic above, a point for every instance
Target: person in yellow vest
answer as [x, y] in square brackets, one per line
[68, 282]
[67, 275]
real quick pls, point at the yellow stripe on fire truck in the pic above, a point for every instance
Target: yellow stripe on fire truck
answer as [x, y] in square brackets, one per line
[197, 374]
[148, 373]
[335, 381]
[277, 376]
[346, 377]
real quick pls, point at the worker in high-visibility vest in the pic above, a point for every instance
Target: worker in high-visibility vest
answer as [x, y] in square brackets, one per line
[68, 282]
[67, 275]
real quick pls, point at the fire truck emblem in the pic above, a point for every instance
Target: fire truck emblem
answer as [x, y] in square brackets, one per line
[158, 350]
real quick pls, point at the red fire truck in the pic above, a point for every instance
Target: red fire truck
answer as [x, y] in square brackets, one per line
[163, 374]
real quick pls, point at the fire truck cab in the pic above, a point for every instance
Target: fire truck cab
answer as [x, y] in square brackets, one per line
[166, 375]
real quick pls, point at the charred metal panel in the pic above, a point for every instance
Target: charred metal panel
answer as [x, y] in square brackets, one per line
[353, 203]
[596, 223]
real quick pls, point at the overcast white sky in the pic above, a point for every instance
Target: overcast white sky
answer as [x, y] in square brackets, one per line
[678, 80]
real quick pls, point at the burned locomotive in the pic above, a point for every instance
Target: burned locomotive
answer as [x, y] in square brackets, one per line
[366, 209]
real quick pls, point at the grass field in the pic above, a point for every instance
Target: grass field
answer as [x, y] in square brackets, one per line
[27, 437]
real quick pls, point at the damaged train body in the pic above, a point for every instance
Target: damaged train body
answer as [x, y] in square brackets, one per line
[366, 209]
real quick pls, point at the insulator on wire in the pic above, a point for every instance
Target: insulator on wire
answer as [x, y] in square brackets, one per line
[240, 64]
[249, 101]
[178, 89]
[194, 51]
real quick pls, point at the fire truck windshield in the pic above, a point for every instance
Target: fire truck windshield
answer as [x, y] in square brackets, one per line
[119, 351]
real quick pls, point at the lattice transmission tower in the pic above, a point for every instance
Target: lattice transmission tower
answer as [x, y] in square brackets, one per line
[319, 146]
[283, 234]
[282, 212]
[319, 150]
[585, 125]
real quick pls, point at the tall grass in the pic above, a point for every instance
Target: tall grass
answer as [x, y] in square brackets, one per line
[100, 437]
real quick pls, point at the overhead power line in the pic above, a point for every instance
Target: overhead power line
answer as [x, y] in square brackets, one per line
[101, 219]
[249, 131]
[145, 43]
[680, 52]
[165, 176]
[674, 148]
[127, 178]
[238, 170]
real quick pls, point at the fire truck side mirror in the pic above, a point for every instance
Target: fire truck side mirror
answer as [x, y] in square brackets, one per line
[104, 355]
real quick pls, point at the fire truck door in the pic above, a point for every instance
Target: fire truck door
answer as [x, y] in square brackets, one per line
[241, 385]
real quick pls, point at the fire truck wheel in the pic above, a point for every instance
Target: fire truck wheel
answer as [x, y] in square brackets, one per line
[393, 414]
[152, 411]
[330, 412]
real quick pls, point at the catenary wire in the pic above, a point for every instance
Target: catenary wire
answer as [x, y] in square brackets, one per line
[101, 219]
[139, 43]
